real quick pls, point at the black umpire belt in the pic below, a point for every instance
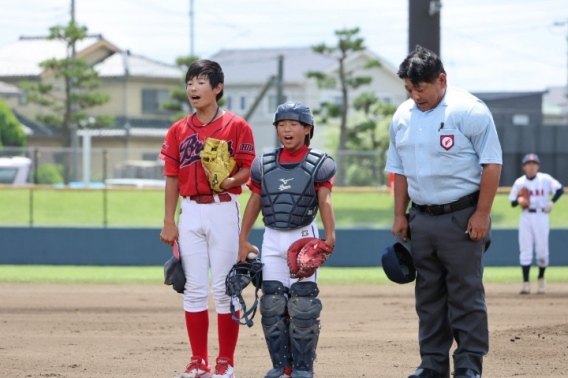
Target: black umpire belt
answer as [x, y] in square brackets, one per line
[462, 203]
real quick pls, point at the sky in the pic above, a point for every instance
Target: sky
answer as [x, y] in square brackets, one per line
[486, 45]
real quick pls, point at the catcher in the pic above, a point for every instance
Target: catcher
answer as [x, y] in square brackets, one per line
[532, 193]
[207, 158]
[289, 185]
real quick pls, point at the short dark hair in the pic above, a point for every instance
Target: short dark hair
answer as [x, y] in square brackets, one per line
[421, 65]
[212, 70]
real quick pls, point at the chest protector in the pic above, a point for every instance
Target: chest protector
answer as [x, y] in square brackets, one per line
[288, 197]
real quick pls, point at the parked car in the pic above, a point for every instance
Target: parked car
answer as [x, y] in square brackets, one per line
[15, 170]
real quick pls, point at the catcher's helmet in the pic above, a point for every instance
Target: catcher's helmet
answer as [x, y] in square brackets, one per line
[239, 277]
[531, 157]
[397, 261]
[173, 271]
[295, 111]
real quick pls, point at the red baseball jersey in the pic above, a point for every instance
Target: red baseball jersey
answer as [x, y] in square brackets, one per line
[184, 141]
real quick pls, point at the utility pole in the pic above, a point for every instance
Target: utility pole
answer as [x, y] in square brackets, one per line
[191, 35]
[424, 24]
[565, 23]
[280, 88]
[73, 125]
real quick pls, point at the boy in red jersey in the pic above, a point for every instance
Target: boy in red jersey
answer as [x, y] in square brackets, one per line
[289, 185]
[208, 229]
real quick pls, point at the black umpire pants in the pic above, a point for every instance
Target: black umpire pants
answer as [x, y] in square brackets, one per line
[450, 297]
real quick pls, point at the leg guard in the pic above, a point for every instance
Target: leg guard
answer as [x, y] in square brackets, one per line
[275, 326]
[304, 309]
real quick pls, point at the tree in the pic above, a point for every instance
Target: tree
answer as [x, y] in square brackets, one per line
[180, 103]
[348, 43]
[11, 134]
[68, 109]
[371, 134]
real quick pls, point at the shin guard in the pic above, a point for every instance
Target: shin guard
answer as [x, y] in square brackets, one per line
[275, 326]
[304, 309]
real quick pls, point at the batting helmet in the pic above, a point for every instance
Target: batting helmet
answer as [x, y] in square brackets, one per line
[295, 111]
[397, 261]
[239, 277]
[173, 271]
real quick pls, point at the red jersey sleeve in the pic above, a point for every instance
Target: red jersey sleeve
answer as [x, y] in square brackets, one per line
[170, 151]
[244, 150]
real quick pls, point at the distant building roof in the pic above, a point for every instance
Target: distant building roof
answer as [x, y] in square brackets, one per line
[22, 57]
[138, 66]
[32, 127]
[257, 65]
[138, 127]
[8, 89]
[557, 96]
[487, 96]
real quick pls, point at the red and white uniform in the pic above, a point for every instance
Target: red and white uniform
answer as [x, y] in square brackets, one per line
[208, 233]
[275, 243]
[534, 225]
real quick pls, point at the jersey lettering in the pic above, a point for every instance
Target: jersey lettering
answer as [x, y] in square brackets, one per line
[189, 150]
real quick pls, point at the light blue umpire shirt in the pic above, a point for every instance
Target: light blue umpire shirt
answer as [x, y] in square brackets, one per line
[441, 151]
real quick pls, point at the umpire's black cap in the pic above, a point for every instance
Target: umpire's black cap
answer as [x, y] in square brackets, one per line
[397, 261]
[531, 157]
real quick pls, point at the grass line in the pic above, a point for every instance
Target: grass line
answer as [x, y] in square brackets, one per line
[123, 275]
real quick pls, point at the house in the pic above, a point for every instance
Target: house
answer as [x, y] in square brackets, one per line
[247, 72]
[137, 85]
[555, 106]
[514, 108]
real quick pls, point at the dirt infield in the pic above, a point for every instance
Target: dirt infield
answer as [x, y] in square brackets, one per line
[95, 331]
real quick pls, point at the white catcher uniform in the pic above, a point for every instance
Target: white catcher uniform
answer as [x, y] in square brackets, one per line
[534, 225]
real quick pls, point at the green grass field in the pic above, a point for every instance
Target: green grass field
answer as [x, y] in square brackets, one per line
[154, 275]
[354, 208]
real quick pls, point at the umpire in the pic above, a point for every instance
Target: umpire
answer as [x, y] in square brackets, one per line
[446, 157]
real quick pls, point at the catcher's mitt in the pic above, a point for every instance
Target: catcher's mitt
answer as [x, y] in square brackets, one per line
[216, 159]
[524, 197]
[306, 255]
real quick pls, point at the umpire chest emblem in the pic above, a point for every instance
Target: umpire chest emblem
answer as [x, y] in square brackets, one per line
[447, 141]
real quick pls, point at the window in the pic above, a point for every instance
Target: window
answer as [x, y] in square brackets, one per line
[151, 100]
[521, 119]
[273, 103]
[22, 99]
[243, 102]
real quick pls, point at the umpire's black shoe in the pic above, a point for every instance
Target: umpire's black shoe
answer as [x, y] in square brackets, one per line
[427, 373]
[466, 373]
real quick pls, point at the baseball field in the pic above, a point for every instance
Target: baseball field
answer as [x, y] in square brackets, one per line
[100, 322]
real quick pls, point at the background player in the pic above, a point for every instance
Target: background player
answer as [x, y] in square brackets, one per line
[534, 224]
[281, 182]
[208, 229]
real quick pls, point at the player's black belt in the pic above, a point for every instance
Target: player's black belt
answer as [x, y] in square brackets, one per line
[462, 203]
[534, 210]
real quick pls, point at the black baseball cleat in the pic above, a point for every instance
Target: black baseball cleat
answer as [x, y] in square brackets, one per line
[466, 373]
[427, 373]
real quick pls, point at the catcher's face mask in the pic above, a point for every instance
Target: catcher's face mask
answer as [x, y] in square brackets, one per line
[239, 277]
